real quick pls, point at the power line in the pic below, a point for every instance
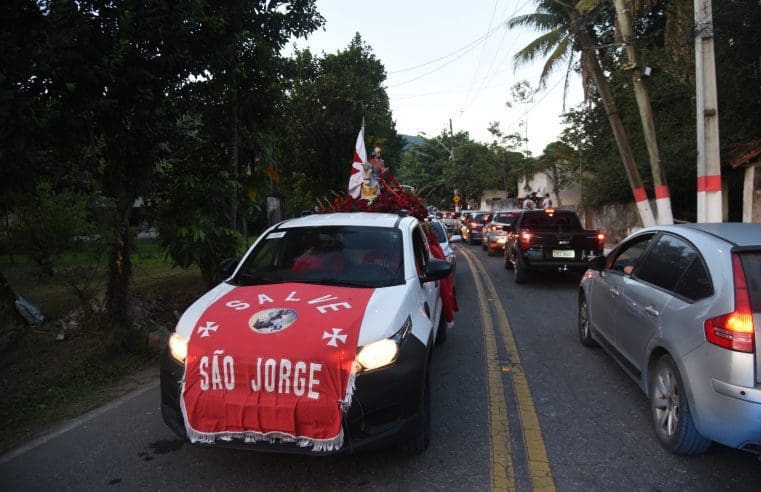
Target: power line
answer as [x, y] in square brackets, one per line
[470, 100]
[467, 47]
[432, 71]
[483, 48]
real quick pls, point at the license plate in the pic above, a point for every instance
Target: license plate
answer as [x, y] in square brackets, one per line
[563, 253]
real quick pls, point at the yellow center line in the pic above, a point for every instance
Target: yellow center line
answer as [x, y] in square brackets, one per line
[501, 470]
[538, 462]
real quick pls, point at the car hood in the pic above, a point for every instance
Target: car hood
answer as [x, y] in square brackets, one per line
[381, 316]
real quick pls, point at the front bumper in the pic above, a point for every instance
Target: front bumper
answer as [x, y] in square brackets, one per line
[385, 407]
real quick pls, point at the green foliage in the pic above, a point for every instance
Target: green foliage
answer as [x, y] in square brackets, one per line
[561, 164]
[50, 224]
[190, 195]
[328, 98]
[476, 167]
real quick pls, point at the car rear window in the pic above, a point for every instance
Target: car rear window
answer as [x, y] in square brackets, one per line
[752, 267]
[557, 222]
[505, 218]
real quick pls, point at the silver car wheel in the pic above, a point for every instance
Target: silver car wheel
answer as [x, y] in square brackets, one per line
[585, 329]
[670, 410]
[666, 401]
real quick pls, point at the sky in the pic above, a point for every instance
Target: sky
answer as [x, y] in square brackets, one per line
[450, 59]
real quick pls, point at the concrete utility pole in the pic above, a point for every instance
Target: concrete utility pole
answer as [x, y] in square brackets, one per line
[451, 140]
[662, 195]
[709, 160]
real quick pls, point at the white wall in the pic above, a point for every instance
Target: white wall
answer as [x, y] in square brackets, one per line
[541, 184]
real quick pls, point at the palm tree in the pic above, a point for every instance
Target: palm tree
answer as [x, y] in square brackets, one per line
[567, 31]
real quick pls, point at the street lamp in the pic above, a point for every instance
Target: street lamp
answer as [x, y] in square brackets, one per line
[449, 151]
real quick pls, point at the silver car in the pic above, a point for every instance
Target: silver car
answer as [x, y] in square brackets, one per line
[678, 308]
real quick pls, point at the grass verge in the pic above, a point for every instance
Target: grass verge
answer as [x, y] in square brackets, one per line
[45, 380]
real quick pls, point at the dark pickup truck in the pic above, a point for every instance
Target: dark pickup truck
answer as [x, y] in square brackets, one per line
[550, 239]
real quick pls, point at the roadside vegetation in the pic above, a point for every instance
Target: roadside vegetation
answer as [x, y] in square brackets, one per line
[62, 367]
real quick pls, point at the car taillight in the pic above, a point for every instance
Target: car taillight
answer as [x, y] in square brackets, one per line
[525, 239]
[601, 241]
[734, 330]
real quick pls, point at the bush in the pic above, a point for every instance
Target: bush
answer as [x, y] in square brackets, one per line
[49, 225]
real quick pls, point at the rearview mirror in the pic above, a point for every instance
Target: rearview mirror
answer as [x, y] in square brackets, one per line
[456, 238]
[597, 263]
[436, 269]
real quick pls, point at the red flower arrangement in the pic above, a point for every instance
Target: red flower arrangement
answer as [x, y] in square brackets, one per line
[392, 199]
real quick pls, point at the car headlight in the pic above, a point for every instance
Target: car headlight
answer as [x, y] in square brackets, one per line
[383, 352]
[178, 347]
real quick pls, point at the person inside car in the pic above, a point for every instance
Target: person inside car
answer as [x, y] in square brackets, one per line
[323, 255]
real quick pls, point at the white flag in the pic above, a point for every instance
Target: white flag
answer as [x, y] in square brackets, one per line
[360, 158]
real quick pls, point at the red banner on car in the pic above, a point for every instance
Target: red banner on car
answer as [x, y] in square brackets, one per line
[274, 363]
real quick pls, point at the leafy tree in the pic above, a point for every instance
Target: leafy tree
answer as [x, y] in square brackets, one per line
[509, 164]
[50, 224]
[475, 168]
[108, 72]
[328, 98]
[225, 153]
[559, 161]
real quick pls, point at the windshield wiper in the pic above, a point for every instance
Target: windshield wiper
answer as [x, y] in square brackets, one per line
[338, 282]
[254, 279]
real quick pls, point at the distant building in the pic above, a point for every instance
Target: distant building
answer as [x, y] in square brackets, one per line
[540, 183]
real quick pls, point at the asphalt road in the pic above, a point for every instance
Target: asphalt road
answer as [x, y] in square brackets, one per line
[589, 430]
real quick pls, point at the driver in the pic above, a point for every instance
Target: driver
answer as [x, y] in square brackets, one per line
[386, 253]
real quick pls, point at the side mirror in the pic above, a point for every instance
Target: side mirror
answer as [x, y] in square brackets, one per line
[456, 238]
[597, 263]
[228, 266]
[436, 270]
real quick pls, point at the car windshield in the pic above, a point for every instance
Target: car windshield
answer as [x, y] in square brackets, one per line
[341, 255]
[555, 222]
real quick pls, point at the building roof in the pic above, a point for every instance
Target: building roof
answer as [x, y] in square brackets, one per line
[742, 154]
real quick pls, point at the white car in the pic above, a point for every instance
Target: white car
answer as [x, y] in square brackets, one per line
[445, 241]
[319, 342]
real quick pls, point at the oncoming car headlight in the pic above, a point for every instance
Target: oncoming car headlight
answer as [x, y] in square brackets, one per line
[178, 347]
[383, 352]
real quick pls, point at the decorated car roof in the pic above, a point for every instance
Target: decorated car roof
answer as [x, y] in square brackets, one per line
[367, 219]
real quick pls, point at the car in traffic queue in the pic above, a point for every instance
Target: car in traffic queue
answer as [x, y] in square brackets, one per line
[550, 240]
[449, 219]
[679, 308]
[472, 228]
[318, 342]
[445, 242]
[497, 230]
